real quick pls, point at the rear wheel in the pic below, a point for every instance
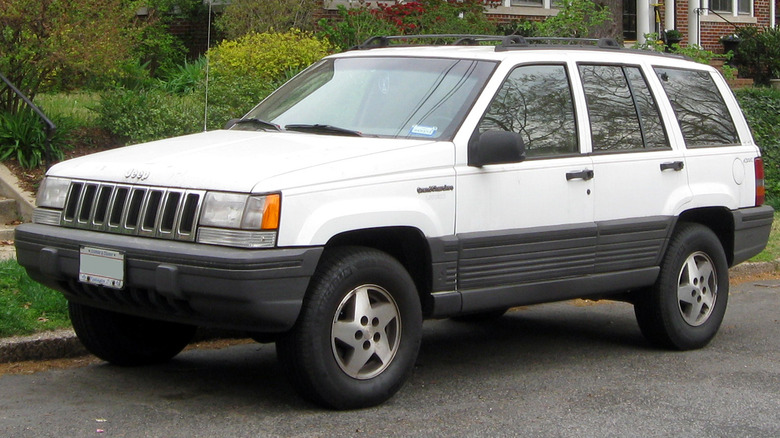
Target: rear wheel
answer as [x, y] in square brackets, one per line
[128, 340]
[685, 308]
[356, 340]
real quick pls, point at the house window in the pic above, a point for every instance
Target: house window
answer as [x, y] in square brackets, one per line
[525, 3]
[744, 7]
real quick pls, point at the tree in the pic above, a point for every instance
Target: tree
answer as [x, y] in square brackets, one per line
[40, 39]
[242, 17]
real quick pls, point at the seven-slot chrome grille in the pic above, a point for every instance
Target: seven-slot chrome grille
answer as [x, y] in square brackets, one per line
[159, 212]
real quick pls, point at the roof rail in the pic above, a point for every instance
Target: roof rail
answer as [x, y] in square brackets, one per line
[380, 41]
[510, 42]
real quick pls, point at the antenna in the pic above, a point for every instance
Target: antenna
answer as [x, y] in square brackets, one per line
[206, 100]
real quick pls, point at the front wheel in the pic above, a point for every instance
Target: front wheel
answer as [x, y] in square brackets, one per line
[358, 334]
[685, 308]
[128, 340]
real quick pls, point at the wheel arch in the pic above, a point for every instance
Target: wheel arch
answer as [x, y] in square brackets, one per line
[408, 245]
[718, 219]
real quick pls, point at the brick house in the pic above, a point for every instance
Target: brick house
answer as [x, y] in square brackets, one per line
[701, 22]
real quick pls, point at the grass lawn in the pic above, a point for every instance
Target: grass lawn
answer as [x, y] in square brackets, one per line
[76, 106]
[26, 307]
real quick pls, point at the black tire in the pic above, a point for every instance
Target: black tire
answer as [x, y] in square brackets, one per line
[685, 307]
[127, 340]
[476, 318]
[357, 337]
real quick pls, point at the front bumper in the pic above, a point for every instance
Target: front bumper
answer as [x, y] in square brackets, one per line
[254, 290]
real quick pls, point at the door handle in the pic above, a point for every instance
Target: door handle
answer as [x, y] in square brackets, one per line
[674, 165]
[582, 174]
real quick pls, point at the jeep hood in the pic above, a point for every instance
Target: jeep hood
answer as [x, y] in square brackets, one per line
[241, 160]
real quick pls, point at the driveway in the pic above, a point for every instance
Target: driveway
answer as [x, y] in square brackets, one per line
[573, 369]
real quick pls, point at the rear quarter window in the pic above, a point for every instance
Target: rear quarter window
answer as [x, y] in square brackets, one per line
[701, 112]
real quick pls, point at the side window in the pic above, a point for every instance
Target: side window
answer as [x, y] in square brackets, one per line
[623, 114]
[536, 102]
[703, 116]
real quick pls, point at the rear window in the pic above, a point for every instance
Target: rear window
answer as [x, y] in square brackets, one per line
[701, 112]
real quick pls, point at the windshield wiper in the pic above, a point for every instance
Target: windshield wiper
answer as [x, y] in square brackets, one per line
[323, 129]
[258, 122]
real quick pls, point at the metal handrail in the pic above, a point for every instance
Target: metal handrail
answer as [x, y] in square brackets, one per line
[48, 124]
[700, 10]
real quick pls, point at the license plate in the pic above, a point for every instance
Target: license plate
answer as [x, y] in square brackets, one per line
[103, 267]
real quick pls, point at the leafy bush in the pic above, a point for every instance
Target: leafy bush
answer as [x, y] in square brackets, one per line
[575, 19]
[758, 54]
[761, 107]
[158, 49]
[149, 114]
[23, 138]
[359, 23]
[184, 79]
[266, 57]
[246, 70]
[242, 17]
[354, 26]
[693, 51]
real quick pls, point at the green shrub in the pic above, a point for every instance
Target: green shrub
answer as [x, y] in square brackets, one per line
[245, 71]
[357, 24]
[575, 19]
[149, 114]
[159, 49]
[758, 54]
[23, 138]
[242, 17]
[266, 57]
[184, 79]
[354, 26]
[761, 107]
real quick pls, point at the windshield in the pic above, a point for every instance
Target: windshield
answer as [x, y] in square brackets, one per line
[383, 97]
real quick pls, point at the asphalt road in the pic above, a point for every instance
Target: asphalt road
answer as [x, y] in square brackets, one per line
[558, 370]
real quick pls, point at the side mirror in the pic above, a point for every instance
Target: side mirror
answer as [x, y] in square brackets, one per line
[496, 147]
[230, 123]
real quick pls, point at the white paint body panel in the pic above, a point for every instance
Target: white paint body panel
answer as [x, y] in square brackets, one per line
[335, 184]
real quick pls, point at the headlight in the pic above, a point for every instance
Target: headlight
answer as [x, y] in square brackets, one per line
[53, 193]
[239, 220]
[245, 212]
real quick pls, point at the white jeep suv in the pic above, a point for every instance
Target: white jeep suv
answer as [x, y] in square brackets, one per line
[389, 184]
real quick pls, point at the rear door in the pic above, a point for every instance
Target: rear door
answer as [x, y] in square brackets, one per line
[641, 181]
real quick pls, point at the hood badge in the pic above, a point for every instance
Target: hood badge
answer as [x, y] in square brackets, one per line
[137, 174]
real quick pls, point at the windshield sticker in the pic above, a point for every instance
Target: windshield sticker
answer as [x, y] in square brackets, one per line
[427, 131]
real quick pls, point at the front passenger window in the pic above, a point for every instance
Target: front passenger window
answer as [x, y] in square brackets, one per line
[535, 101]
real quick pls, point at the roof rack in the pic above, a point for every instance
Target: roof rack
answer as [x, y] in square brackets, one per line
[511, 42]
